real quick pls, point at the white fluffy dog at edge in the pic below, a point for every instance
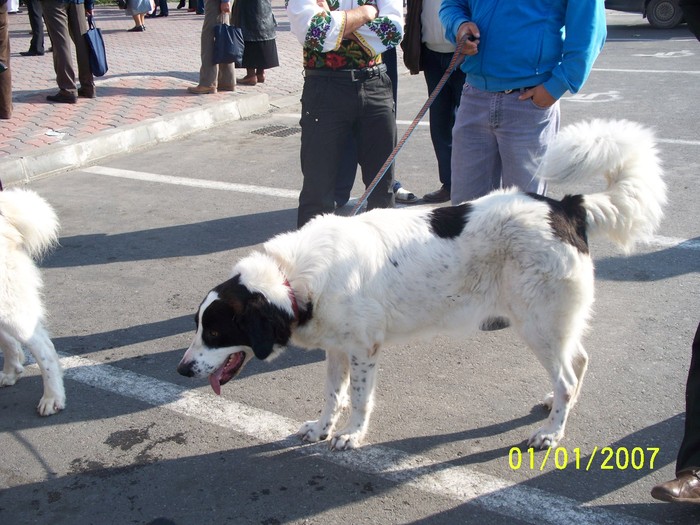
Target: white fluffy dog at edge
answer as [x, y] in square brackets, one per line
[28, 228]
[352, 285]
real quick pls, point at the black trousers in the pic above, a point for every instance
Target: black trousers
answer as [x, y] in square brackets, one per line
[6, 77]
[36, 21]
[689, 453]
[332, 109]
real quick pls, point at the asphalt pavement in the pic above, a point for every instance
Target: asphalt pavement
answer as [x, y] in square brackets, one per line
[153, 224]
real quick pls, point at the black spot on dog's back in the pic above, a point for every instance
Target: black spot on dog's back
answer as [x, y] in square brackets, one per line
[567, 218]
[449, 222]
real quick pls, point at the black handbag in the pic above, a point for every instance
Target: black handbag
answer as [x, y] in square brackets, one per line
[96, 49]
[228, 45]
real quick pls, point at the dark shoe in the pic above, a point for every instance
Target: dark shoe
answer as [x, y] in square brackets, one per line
[437, 196]
[191, 10]
[494, 323]
[86, 93]
[247, 80]
[181, 4]
[151, 15]
[31, 53]
[65, 98]
[3, 67]
[137, 29]
[684, 489]
[201, 90]
[161, 15]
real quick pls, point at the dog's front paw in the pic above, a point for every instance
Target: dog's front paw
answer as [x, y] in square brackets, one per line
[49, 405]
[10, 377]
[346, 441]
[313, 431]
[545, 437]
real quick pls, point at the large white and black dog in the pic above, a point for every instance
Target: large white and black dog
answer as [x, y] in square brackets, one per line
[351, 285]
[28, 227]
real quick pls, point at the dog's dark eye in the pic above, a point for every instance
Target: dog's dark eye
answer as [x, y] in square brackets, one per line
[212, 333]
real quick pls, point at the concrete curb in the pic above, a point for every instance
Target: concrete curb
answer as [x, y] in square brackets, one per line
[84, 151]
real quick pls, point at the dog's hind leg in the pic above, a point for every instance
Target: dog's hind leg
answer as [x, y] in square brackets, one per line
[337, 379]
[580, 364]
[565, 383]
[41, 347]
[563, 357]
[363, 374]
[13, 359]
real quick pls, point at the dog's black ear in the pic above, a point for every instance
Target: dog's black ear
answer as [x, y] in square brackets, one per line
[266, 326]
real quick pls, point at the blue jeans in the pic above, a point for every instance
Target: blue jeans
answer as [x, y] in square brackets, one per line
[497, 142]
[443, 109]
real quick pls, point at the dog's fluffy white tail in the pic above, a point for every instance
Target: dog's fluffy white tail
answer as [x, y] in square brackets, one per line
[32, 217]
[631, 207]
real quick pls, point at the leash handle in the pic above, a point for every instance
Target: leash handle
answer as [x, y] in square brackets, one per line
[457, 58]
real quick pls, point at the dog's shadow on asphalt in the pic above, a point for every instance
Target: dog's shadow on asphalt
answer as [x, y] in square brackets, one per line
[655, 266]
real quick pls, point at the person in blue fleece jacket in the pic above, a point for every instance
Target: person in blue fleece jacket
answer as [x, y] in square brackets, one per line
[520, 58]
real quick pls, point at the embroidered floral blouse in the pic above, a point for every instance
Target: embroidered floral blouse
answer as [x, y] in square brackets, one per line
[321, 33]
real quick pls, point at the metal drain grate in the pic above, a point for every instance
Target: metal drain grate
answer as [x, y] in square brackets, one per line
[277, 131]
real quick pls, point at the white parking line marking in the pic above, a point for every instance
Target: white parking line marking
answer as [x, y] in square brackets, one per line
[665, 242]
[459, 483]
[194, 183]
[648, 71]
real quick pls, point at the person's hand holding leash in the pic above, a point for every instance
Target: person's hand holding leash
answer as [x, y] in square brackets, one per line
[469, 33]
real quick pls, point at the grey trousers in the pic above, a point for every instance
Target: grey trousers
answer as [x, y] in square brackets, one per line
[497, 142]
[211, 74]
[66, 22]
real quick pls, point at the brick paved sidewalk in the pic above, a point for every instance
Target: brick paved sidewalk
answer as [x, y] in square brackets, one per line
[147, 79]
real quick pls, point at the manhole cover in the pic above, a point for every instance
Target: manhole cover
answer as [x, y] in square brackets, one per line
[277, 131]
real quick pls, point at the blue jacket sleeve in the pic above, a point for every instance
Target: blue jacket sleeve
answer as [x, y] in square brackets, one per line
[585, 35]
[453, 13]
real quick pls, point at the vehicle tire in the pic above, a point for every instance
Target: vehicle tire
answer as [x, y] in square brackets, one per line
[664, 14]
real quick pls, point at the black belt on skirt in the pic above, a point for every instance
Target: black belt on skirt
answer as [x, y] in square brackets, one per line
[353, 75]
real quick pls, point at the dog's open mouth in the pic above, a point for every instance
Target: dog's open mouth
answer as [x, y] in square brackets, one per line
[227, 371]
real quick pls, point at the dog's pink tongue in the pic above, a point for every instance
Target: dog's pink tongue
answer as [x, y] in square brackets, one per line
[215, 380]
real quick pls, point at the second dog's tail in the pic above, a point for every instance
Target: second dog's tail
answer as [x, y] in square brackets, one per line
[624, 152]
[32, 218]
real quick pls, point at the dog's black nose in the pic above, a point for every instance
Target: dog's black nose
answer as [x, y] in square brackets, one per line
[185, 369]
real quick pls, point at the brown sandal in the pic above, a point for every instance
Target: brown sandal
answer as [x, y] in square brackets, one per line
[247, 81]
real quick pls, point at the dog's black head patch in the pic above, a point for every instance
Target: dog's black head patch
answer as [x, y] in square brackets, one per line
[240, 317]
[449, 222]
[567, 218]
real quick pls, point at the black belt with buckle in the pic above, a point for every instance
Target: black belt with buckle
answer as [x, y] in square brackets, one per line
[353, 75]
[518, 90]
